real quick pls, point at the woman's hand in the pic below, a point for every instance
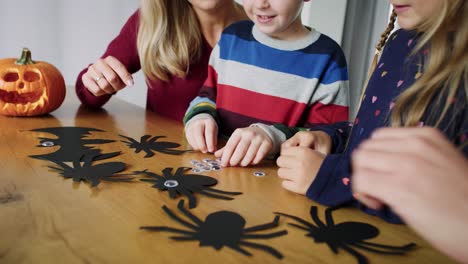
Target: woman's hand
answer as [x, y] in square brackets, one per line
[106, 76]
[422, 177]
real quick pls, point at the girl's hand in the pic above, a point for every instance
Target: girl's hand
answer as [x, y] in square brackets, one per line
[317, 140]
[423, 178]
[106, 76]
[202, 134]
[245, 146]
[298, 167]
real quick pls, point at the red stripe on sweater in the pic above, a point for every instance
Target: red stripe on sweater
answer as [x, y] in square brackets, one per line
[212, 77]
[275, 109]
[327, 114]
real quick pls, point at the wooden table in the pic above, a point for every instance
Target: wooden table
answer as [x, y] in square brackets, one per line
[45, 218]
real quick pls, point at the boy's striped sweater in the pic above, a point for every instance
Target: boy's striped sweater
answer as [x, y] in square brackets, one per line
[253, 78]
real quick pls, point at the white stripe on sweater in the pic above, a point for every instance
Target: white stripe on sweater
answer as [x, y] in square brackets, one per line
[283, 85]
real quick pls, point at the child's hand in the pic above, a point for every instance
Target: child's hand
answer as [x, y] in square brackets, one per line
[317, 140]
[202, 134]
[245, 146]
[106, 76]
[298, 167]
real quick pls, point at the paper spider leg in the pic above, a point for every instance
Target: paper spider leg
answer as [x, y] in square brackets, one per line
[94, 182]
[167, 172]
[272, 224]
[178, 219]
[180, 171]
[268, 249]
[172, 151]
[172, 193]
[271, 235]
[152, 140]
[97, 141]
[222, 192]
[166, 229]
[117, 178]
[195, 219]
[130, 140]
[144, 138]
[148, 152]
[77, 164]
[313, 213]
[397, 251]
[300, 220]
[239, 249]
[107, 155]
[61, 164]
[406, 247]
[183, 238]
[360, 258]
[149, 174]
[215, 195]
[190, 197]
[300, 227]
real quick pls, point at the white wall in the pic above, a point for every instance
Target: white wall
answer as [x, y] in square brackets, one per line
[68, 34]
[72, 34]
[327, 16]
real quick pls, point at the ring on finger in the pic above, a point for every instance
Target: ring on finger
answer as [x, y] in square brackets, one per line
[97, 79]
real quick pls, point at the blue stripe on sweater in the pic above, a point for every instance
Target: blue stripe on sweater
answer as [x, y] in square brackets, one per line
[257, 54]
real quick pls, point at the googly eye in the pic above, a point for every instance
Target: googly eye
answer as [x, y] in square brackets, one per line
[259, 174]
[197, 170]
[216, 168]
[199, 165]
[194, 162]
[47, 144]
[171, 183]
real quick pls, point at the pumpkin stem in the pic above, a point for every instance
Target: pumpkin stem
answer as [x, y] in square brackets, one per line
[25, 58]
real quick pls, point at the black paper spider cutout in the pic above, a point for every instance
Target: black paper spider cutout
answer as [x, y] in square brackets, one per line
[345, 235]
[185, 184]
[222, 228]
[72, 144]
[93, 173]
[150, 144]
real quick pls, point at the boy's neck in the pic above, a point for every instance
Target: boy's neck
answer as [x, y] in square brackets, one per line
[212, 24]
[294, 32]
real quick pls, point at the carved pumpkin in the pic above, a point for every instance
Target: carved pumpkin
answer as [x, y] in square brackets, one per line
[29, 88]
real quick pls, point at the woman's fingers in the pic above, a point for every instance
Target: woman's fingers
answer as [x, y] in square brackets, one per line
[123, 75]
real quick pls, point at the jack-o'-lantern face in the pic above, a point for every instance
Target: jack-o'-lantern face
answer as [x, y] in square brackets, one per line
[29, 88]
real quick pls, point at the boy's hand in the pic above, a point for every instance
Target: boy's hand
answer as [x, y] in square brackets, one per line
[298, 167]
[317, 140]
[245, 146]
[106, 76]
[202, 134]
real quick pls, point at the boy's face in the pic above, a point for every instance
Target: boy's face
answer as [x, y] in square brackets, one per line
[280, 19]
[412, 13]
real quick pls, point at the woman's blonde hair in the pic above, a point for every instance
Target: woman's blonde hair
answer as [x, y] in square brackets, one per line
[445, 68]
[169, 38]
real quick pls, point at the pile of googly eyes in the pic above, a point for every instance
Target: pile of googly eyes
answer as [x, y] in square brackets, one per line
[214, 165]
[206, 165]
